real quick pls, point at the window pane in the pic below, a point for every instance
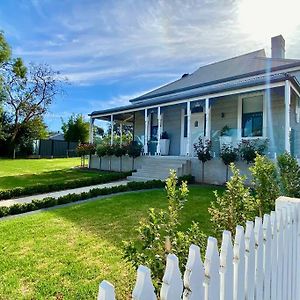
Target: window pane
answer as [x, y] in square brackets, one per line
[185, 126]
[252, 124]
[253, 104]
[252, 119]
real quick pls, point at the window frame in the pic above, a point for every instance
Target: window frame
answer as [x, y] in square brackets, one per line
[240, 116]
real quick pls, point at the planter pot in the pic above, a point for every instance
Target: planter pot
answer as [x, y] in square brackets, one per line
[225, 140]
[164, 146]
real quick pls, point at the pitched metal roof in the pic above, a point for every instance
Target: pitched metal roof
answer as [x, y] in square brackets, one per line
[203, 90]
[241, 66]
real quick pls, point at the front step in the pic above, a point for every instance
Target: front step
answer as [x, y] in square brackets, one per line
[158, 168]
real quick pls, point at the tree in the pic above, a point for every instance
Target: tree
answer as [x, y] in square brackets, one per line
[203, 150]
[76, 129]
[159, 234]
[5, 51]
[228, 155]
[234, 206]
[27, 94]
[289, 172]
[265, 184]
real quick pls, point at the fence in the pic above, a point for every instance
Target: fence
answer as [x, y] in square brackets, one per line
[262, 263]
[55, 148]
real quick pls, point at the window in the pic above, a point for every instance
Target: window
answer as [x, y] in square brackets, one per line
[252, 116]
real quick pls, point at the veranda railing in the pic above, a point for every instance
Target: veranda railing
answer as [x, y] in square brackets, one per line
[262, 263]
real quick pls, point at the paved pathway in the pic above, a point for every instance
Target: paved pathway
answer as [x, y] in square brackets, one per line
[28, 199]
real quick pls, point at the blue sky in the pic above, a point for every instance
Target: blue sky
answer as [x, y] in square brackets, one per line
[112, 51]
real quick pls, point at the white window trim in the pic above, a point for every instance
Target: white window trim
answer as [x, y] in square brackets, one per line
[240, 115]
[297, 109]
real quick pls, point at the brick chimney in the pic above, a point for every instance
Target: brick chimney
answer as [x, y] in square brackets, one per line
[278, 46]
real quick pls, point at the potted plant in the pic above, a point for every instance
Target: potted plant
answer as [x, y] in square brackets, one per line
[101, 152]
[164, 143]
[225, 138]
[229, 155]
[134, 150]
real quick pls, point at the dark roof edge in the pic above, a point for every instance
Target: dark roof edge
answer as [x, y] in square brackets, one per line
[216, 82]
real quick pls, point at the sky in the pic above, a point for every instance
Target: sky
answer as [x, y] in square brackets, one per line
[113, 51]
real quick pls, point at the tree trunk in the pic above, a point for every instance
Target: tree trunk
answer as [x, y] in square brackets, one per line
[202, 172]
[110, 163]
[132, 163]
[14, 153]
[100, 163]
[120, 163]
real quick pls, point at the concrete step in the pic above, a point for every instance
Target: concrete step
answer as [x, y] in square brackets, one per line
[159, 168]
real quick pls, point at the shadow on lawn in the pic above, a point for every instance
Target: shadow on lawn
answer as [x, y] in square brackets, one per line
[51, 177]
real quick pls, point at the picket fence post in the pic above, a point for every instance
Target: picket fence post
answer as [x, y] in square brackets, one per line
[211, 267]
[267, 256]
[172, 283]
[249, 261]
[239, 264]
[106, 291]
[194, 275]
[143, 289]
[259, 275]
[274, 255]
[262, 264]
[226, 267]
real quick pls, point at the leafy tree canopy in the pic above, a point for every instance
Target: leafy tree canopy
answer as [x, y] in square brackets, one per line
[76, 129]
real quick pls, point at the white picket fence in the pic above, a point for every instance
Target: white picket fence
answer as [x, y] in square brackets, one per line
[263, 263]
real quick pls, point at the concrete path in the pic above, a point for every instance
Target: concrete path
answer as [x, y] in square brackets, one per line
[28, 199]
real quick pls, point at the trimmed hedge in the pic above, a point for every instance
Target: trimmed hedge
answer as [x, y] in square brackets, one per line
[20, 208]
[40, 189]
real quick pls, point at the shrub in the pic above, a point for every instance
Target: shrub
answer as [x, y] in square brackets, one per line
[31, 190]
[289, 171]
[134, 150]
[158, 235]
[50, 201]
[265, 184]
[229, 155]
[203, 151]
[85, 149]
[249, 148]
[234, 207]
[101, 151]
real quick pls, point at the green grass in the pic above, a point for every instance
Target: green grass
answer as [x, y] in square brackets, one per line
[66, 252]
[31, 172]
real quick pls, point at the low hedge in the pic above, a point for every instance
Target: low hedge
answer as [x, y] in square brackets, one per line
[20, 208]
[47, 188]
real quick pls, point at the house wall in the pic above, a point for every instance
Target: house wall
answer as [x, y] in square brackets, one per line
[172, 125]
[276, 121]
[228, 106]
[295, 129]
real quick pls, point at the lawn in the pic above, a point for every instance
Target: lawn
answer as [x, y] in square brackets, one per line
[64, 253]
[30, 172]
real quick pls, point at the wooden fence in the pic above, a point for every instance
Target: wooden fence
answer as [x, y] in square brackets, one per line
[262, 263]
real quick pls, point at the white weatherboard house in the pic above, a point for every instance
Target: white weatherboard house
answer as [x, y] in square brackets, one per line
[255, 96]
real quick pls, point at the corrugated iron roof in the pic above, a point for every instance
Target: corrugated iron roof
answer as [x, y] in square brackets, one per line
[203, 90]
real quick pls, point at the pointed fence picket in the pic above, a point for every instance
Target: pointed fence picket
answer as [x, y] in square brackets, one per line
[262, 264]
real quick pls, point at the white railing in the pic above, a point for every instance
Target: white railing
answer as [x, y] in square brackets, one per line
[263, 263]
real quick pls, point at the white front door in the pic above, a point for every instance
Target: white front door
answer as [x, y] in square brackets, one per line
[197, 130]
